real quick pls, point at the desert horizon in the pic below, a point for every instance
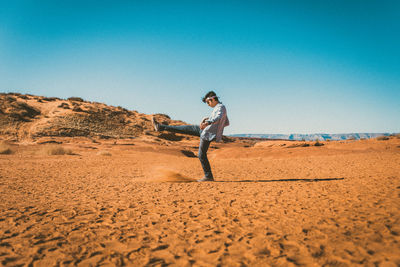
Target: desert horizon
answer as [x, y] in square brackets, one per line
[86, 184]
[78, 102]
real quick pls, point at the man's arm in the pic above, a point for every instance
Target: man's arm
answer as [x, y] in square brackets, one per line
[203, 123]
[221, 110]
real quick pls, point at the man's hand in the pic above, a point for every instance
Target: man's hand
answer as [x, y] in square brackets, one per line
[203, 125]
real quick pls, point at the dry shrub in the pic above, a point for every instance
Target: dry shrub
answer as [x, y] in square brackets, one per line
[57, 150]
[77, 109]
[298, 145]
[5, 148]
[21, 111]
[104, 153]
[50, 99]
[11, 99]
[317, 143]
[77, 99]
[64, 106]
[382, 138]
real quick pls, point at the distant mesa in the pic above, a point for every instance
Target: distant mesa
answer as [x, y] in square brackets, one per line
[313, 137]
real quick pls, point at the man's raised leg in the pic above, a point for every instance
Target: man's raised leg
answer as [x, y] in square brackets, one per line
[182, 129]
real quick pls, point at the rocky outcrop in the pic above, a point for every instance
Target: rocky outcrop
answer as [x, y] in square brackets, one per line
[29, 116]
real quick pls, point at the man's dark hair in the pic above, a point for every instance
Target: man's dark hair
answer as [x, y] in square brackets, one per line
[210, 94]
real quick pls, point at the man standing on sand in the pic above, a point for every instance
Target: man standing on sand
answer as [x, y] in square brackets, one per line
[210, 129]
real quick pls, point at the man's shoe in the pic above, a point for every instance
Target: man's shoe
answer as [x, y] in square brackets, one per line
[205, 179]
[156, 125]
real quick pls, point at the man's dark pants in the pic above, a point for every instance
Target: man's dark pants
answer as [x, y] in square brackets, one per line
[203, 146]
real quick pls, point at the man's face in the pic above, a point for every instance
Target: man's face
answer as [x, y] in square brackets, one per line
[211, 102]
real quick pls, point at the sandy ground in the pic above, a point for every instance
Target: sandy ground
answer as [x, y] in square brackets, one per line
[129, 203]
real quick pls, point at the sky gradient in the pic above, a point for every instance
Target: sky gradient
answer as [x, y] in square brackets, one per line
[278, 66]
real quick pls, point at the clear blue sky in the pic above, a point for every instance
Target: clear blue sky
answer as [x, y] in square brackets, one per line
[279, 66]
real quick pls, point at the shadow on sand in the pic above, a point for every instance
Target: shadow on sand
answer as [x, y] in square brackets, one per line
[283, 180]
